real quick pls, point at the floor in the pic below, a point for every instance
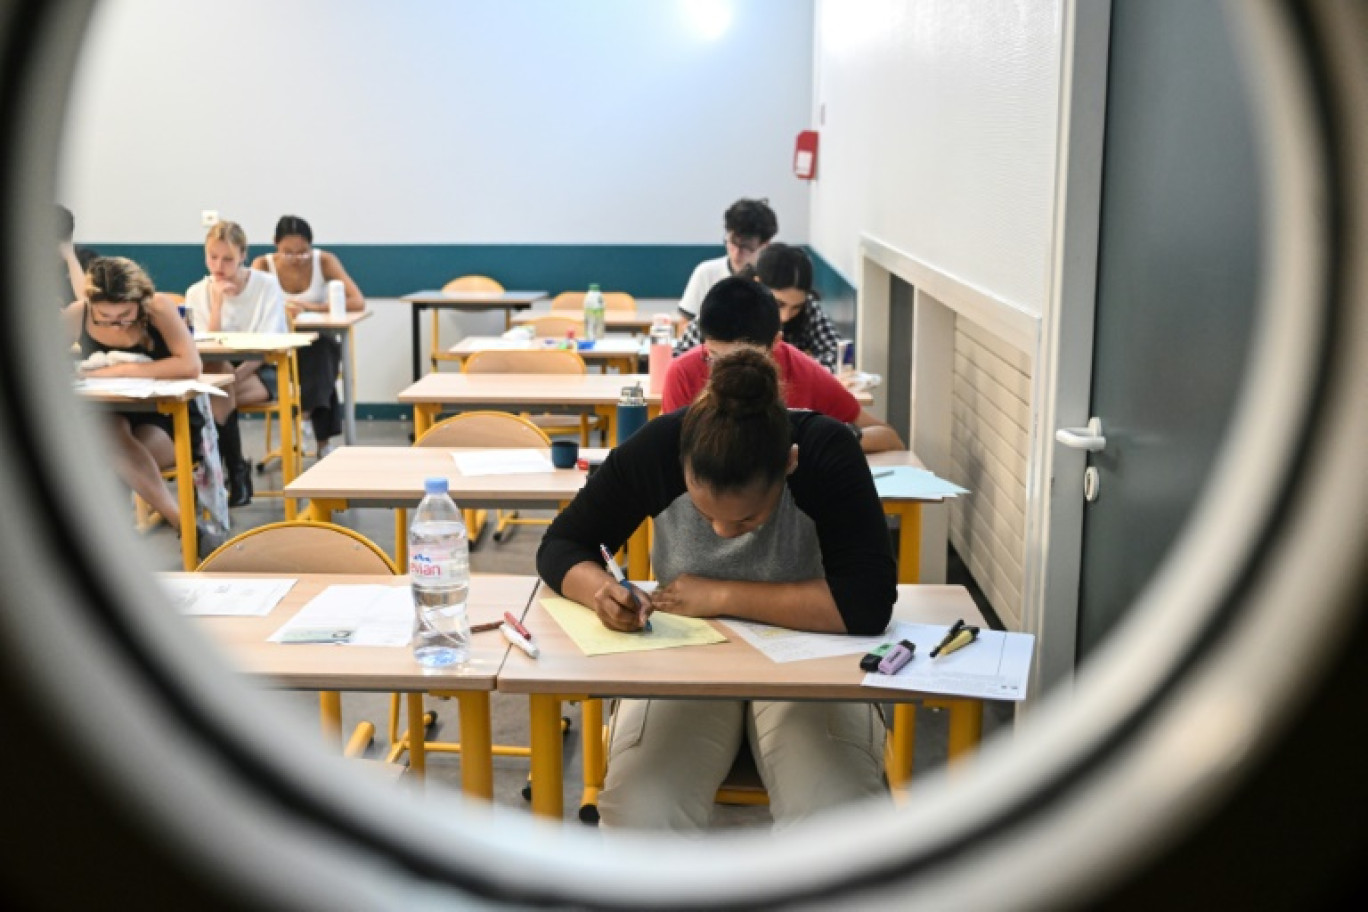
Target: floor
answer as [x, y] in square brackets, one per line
[514, 555]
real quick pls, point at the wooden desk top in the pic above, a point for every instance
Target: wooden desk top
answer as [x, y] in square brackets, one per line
[638, 319]
[393, 476]
[571, 390]
[230, 343]
[221, 381]
[327, 667]
[733, 669]
[474, 300]
[318, 320]
[612, 347]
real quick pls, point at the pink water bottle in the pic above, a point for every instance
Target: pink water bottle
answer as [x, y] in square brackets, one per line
[661, 351]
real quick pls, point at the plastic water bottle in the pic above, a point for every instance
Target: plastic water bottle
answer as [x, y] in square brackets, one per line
[593, 314]
[439, 573]
[661, 351]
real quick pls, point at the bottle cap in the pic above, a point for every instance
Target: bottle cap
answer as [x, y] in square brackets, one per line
[435, 485]
[633, 395]
[593, 286]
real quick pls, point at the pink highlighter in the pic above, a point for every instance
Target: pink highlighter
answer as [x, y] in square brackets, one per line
[897, 657]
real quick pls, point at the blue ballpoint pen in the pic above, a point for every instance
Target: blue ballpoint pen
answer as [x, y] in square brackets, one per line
[616, 571]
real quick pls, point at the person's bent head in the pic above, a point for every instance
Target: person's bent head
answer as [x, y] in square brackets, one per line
[736, 444]
[787, 272]
[119, 292]
[225, 249]
[737, 312]
[749, 225]
[293, 237]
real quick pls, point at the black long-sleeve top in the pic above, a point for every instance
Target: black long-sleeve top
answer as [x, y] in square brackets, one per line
[831, 485]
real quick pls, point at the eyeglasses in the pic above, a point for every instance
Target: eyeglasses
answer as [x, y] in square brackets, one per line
[747, 247]
[122, 324]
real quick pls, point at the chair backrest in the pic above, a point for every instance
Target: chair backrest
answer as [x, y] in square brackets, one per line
[612, 300]
[298, 547]
[484, 429]
[555, 326]
[472, 283]
[532, 361]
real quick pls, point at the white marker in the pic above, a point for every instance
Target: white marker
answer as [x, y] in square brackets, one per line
[517, 639]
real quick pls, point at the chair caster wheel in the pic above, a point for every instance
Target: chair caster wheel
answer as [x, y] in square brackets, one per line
[588, 813]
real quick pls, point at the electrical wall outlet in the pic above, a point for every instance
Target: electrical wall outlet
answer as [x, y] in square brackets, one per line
[208, 218]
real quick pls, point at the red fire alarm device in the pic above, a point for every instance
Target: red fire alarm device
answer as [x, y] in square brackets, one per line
[805, 155]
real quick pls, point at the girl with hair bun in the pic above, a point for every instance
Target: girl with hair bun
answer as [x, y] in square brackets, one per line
[760, 513]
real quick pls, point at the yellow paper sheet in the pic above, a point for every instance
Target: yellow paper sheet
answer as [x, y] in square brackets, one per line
[667, 630]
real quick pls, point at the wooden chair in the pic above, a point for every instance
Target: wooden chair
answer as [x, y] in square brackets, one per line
[306, 547]
[612, 300]
[534, 361]
[480, 429]
[460, 283]
[557, 326]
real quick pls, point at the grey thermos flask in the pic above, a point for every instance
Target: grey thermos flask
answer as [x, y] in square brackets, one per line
[631, 412]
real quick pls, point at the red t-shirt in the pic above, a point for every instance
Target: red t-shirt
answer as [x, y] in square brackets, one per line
[806, 384]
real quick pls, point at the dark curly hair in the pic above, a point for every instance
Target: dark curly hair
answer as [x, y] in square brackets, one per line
[737, 431]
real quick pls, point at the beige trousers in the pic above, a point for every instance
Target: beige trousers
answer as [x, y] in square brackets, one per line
[666, 759]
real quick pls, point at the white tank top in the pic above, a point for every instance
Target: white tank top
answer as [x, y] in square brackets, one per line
[317, 292]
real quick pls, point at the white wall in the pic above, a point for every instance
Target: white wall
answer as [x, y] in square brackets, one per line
[939, 137]
[437, 121]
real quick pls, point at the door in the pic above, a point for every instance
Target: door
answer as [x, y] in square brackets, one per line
[1176, 289]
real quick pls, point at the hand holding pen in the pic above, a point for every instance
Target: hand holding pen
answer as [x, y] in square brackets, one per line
[638, 605]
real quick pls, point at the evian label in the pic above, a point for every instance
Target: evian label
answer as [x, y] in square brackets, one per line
[432, 563]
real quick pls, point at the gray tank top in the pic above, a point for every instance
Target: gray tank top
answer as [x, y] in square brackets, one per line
[784, 550]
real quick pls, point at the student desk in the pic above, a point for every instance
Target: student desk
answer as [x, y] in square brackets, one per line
[731, 670]
[475, 301]
[342, 328]
[630, 321]
[524, 392]
[393, 477]
[624, 353]
[908, 512]
[178, 407]
[356, 668]
[277, 349]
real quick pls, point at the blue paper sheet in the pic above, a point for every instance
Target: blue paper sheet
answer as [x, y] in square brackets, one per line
[909, 483]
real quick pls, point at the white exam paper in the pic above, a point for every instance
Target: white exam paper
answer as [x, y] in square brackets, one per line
[780, 644]
[144, 387]
[503, 462]
[217, 596]
[996, 666]
[375, 615]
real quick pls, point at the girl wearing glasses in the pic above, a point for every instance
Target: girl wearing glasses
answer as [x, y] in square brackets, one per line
[233, 298]
[304, 273]
[122, 313]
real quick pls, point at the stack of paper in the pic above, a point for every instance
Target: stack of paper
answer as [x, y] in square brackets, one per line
[910, 483]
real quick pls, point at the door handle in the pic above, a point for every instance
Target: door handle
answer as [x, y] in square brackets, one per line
[1089, 438]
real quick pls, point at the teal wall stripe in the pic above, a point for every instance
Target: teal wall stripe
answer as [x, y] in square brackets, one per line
[838, 295]
[390, 270]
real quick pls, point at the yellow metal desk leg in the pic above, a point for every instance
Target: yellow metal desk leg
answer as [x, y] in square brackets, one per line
[417, 735]
[424, 414]
[904, 738]
[909, 538]
[286, 402]
[477, 756]
[595, 764]
[330, 713]
[185, 482]
[966, 729]
[548, 791]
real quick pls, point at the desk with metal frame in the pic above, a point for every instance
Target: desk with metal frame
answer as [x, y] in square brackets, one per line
[332, 668]
[474, 301]
[279, 350]
[730, 670]
[342, 328]
[178, 407]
